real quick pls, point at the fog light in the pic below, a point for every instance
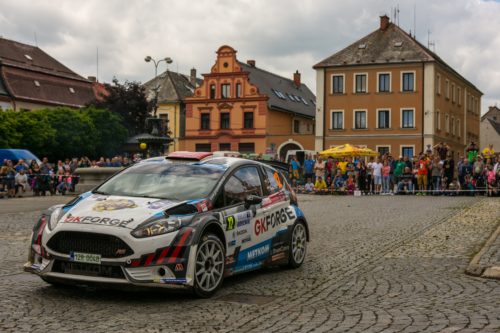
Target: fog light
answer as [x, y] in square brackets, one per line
[161, 271]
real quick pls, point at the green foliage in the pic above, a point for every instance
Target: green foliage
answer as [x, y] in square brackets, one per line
[129, 101]
[63, 132]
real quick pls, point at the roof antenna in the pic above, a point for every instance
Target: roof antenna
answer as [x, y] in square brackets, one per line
[429, 42]
[415, 20]
[97, 64]
[36, 41]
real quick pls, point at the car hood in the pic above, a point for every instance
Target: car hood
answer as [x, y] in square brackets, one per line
[116, 211]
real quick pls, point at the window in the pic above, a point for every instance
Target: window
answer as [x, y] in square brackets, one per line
[274, 181]
[224, 120]
[338, 84]
[246, 148]
[248, 120]
[224, 146]
[459, 93]
[408, 81]
[458, 128]
[212, 91]
[337, 120]
[359, 119]
[203, 147]
[407, 119]
[205, 121]
[384, 82]
[447, 123]
[296, 126]
[383, 119]
[453, 96]
[453, 125]
[244, 182]
[225, 90]
[407, 151]
[438, 120]
[238, 90]
[360, 83]
[382, 150]
[447, 89]
[438, 84]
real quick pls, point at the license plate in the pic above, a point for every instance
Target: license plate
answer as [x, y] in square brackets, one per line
[87, 258]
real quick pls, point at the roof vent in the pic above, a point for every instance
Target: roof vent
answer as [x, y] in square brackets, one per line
[398, 44]
[362, 46]
[71, 90]
[28, 57]
[36, 83]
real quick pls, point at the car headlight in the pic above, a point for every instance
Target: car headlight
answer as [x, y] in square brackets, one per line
[54, 217]
[157, 227]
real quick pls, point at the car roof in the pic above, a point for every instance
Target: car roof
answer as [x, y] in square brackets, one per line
[188, 155]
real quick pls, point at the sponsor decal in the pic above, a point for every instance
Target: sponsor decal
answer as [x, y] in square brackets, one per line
[110, 205]
[172, 280]
[97, 220]
[273, 220]
[160, 204]
[231, 243]
[243, 218]
[179, 267]
[246, 267]
[274, 198]
[246, 239]
[230, 222]
[278, 256]
[120, 252]
[241, 232]
[259, 252]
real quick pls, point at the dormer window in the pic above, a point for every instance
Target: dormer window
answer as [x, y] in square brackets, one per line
[398, 44]
[28, 57]
[362, 46]
[36, 83]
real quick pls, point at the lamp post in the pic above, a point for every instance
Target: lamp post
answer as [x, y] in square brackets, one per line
[167, 60]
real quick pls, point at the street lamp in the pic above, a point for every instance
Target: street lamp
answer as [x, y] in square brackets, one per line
[168, 61]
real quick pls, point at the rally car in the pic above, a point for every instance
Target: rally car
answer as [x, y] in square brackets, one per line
[165, 224]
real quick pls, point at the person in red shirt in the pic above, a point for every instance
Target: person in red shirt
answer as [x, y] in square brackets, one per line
[423, 170]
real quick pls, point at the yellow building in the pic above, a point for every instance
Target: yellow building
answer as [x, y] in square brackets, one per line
[241, 107]
[390, 93]
[173, 88]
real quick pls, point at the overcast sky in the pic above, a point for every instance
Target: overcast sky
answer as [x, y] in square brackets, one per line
[281, 35]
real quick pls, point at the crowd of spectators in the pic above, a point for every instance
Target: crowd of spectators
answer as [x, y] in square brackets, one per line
[433, 172]
[50, 178]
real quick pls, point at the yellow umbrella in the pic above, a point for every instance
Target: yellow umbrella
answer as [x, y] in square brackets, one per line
[348, 150]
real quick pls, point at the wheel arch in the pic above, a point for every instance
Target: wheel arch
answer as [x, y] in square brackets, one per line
[209, 224]
[304, 221]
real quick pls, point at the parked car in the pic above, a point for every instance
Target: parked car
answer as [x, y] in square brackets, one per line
[163, 224]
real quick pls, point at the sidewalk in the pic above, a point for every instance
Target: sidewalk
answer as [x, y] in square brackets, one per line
[486, 263]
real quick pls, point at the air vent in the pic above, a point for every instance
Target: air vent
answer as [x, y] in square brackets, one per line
[36, 83]
[398, 44]
[362, 46]
[28, 57]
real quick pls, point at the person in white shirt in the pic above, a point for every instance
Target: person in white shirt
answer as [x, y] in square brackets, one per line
[21, 180]
[319, 168]
[377, 175]
[309, 186]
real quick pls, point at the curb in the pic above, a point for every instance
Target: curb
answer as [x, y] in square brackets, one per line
[475, 269]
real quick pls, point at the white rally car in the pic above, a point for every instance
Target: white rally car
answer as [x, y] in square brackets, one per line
[165, 224]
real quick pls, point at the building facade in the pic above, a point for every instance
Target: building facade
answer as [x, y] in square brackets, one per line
[490, 128]
[240, 107]
[173, 89]
[31, 79]
[390, 93]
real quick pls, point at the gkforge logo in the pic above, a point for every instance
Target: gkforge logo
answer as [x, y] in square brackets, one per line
[273, 220]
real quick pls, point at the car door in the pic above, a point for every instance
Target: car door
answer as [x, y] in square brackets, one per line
[243, 252]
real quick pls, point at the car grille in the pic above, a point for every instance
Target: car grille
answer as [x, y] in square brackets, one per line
[107, 246]
[78, 268]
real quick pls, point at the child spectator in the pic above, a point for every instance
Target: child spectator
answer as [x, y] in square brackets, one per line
[491, 179]
[338, 181]
[350, 184]
[21, 182]
[309, 186]
[468, 187]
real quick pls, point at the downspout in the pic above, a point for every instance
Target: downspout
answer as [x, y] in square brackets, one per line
[324, 109]
[423, 105]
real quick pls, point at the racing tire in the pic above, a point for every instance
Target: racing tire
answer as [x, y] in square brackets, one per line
[298, 245]
[209, 266]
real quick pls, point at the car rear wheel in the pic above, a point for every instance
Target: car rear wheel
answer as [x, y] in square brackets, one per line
[209, 266]
[298, 245]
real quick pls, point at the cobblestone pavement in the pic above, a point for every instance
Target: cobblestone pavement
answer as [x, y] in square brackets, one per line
[375, 264]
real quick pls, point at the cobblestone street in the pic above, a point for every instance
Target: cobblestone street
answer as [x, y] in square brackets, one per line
[374, 264]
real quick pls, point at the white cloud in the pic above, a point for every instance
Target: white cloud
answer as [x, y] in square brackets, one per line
[281, 35]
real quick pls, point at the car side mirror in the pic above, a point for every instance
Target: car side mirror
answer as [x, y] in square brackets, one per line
[252, 200]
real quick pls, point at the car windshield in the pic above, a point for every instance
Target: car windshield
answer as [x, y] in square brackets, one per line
[167, 181]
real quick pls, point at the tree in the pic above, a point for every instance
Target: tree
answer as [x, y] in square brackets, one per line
[110, 131]
[129, 101]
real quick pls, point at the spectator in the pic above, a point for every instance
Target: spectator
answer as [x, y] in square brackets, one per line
[350, 184]
[45, 166]
[386, 177]
[405, 182]
[369, 176]
[448, 170]
[422, 176]
[21, 180]
[491, 180]
[442, 150]
[472, 151]
[294, 168]
[342, 165]
[436, 171]
[9, 173]
[309, 186]
[319, 168]
[362, 174]
[21, 165]
[126, 162]
[377, 175]
[489, 152]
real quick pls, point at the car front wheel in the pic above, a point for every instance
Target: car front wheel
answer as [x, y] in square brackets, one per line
[298, 245]
[209, 268]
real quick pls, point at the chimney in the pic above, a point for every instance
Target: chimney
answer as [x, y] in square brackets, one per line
[296, 78]
[192, 77]
[92, 78]
[251, 63]
[384, 22]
